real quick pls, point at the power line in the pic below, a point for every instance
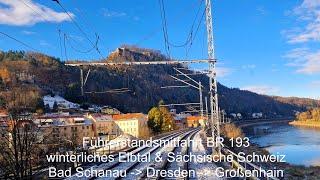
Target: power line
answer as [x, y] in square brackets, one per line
[17, 40]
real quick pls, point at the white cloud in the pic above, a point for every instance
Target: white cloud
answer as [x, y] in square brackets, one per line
[109, 13]
[223, 71]
[274, 68]
[306, 61]
[261, 10]
[15, 12]
[136, 18]
[249, 66]
[28, 32]
[44, 43]
[262, 89]
[77, 38]
[309, 12]
[315, 84]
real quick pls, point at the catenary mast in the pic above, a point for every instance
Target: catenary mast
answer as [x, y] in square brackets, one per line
[214, 117]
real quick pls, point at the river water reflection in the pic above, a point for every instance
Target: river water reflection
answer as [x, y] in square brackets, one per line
[300, 145]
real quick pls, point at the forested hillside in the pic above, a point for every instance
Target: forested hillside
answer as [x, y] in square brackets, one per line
[39, 74]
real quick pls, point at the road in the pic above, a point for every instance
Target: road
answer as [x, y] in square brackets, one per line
[244, 123]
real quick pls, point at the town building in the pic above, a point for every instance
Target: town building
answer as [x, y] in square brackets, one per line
[180, 120]
[196, 121]
[104, 126]
[4, 123]
[236, 115]
[25, 77]
[109, 110]
[134, 124]
[257, 115]
[4, 116]
[62, 127]
[4, 130]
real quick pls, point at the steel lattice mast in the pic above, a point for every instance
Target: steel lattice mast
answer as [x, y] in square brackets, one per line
[215, 124]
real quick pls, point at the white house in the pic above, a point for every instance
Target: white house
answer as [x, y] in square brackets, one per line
[257, 115]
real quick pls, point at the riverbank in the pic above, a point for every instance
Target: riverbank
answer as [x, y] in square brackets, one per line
[309, 123]
[251, 122]
[291, 171]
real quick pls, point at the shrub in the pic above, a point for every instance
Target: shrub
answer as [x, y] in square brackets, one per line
[231, 131]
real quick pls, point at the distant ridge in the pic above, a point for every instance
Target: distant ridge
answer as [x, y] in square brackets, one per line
[49, 75]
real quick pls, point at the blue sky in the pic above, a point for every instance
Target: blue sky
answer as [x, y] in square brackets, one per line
[267, 46]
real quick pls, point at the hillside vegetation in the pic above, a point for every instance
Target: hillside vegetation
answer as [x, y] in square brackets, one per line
[43, 75]
[303, 102]
[310, 115]
[310, 118]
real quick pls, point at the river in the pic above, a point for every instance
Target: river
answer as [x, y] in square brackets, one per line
[300, 145]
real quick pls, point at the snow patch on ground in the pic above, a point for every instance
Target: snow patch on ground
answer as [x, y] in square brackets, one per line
[49, 100]
[204, 170]
[118, 143]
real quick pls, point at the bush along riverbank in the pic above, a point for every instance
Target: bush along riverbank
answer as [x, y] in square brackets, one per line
[306, 123]
[310, 118]
[290, 172]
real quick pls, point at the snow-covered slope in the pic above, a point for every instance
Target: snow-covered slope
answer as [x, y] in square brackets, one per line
[48, 99]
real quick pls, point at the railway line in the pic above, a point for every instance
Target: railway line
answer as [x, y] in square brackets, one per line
[170, 143]
[181, 150]
[164, 153]
[129, 166]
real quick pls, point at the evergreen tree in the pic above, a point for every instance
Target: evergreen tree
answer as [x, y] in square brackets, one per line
[55, 107]
[47, 108]
[40, 107]
[2, 102]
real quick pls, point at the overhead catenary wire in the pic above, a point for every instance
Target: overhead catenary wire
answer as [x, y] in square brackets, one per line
[42, 16]
[190, 37]
[59, 30]
[37, 12]
[19, 41]
[65, 47]
[60, 43]
[164, 26]
[176, 18]
[69, 39]
[79, 28]
[85, 21]
[91, 26]
[191, 31]
[195, 35]
[95, 46]
[115, 91]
